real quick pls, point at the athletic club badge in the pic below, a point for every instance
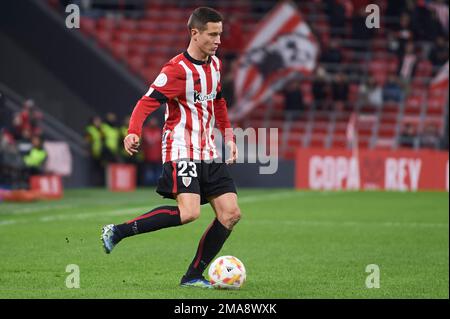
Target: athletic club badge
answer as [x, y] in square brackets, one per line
[187, 181]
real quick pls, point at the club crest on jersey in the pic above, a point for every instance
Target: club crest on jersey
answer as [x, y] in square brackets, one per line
[198, 97]
[186, 181]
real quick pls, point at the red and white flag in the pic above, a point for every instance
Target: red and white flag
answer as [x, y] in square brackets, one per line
[351, 128]
[282, 45]
[352, 133]
[440, 81]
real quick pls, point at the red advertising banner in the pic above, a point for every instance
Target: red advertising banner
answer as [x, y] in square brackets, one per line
[48, 186]
[121, 177]
[401, 170]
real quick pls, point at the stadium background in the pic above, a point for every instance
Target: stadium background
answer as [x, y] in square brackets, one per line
[377, 84]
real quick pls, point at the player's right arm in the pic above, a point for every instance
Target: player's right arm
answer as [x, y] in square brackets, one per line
[168, 85]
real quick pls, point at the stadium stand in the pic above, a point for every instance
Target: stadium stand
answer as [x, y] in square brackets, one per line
[357, 64]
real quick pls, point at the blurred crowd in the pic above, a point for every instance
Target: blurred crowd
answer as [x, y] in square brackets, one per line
[105, 139]
[429, 137]
[410, 50]
[22, 153]
[21, 145]
[411, 44]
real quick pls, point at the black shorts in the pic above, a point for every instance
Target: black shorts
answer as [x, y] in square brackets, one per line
[205, 178]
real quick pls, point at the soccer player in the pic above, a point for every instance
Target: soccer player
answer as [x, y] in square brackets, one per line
[189, 85]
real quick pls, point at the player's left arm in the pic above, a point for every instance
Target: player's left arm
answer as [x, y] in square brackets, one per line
[223, 121]
[224, 125]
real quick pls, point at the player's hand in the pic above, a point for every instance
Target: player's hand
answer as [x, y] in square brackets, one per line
[131, 143]
[233, 152]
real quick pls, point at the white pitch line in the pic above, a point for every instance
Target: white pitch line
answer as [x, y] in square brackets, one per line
[350, 223]
[281, 195]
[255, 198]
[68, 216]
[35, 209]
[117, 212]
[246, 199]
[7, 222]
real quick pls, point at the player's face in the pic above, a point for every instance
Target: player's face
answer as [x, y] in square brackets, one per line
[208, 40]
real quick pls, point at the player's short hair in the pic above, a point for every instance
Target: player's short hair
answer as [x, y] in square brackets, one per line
[201, 16]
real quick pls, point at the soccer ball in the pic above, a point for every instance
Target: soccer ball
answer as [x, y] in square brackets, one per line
[227, 272]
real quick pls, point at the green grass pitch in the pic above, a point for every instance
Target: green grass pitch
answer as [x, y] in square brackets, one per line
[294, 244]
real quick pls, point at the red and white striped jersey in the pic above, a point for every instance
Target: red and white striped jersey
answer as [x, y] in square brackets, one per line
[191, 90]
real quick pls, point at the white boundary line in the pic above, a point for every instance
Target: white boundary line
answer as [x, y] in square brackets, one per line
[126, 211]
[242, 200]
